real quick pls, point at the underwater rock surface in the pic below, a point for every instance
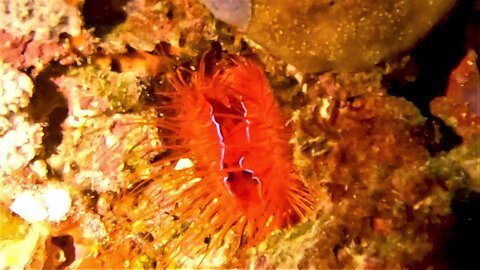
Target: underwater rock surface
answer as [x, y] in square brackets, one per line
[390, 152]
[344, 35]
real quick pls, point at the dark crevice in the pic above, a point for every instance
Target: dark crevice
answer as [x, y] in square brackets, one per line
[116, 66]
[53, 132]
[432, 62]
[462, 249]
[49, 106]
[435, 58]
[213, 55]
[439, 137]
[91, 198]
[67, 246]
[103, 15]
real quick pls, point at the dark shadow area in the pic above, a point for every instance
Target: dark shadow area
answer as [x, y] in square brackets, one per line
[462, 249]
[50, 106]
[103, 15]
[432, 62]
[67, 245]
[439, 137]
[91, 198]
[435, 57]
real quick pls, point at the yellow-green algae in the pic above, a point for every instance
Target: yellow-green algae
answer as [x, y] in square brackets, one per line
[19, 240]
[320, 35]
[122, 90]
[468, 157]
[11, 227]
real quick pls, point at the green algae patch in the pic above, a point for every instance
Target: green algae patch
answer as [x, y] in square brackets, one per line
[121, 92]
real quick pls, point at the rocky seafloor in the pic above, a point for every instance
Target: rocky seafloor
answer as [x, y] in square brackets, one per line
[383, 98]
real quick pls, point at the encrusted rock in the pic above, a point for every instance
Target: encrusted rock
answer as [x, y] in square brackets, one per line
[45, 18]
[460, 107]
[98, 129]
[33, 33]
[20, 139]
[19, 144]
[16, 88]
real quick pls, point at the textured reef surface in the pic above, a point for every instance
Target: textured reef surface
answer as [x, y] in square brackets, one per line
[381, 101]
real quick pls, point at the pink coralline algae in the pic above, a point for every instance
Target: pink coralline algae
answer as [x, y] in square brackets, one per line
[33, 33]
[24, 52]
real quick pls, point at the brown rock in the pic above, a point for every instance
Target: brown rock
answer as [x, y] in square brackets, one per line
[320, 35]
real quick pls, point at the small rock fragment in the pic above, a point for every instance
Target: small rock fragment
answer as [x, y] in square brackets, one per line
[58, 203]
[49, 203]
[183, 163]
[29, 207]
[233, 12]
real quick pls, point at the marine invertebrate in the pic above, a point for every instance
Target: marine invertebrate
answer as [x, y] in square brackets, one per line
[229, 166]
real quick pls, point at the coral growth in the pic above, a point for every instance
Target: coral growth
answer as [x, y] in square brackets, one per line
[19, 144]
[16, 89]
[459, 108]
[20, 139]
[104, 164]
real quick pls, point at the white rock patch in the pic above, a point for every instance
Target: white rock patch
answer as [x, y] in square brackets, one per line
[51, 204]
